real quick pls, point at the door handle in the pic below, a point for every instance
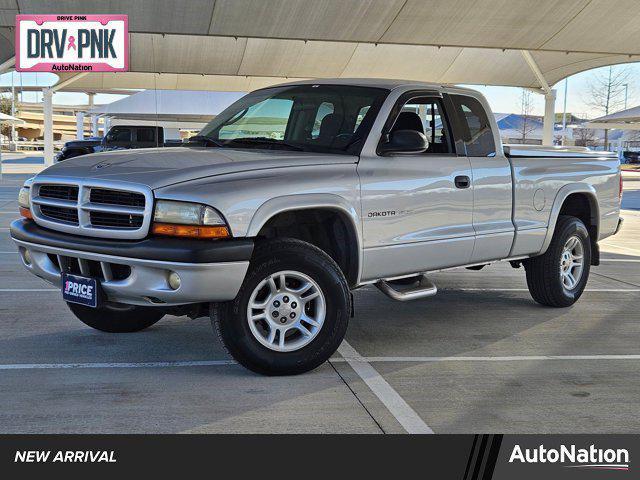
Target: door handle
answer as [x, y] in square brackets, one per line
[462, 181]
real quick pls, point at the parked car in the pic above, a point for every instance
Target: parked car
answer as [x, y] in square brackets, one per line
[299, 193]
[631, 157]
[75, 148]
[118, 138]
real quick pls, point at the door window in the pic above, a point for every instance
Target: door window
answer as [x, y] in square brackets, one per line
[476, 129]
[425, 114]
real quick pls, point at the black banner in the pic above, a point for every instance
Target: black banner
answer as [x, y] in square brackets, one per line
[456, 457]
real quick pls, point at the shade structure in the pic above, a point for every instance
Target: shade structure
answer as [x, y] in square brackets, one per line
[4, 118]
[169, 105]
[628, 119]
[238, 45]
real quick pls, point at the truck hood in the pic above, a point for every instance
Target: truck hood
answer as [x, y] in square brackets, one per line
[159, 167]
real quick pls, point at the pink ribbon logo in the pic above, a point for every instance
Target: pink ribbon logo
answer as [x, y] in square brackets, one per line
[72, 43]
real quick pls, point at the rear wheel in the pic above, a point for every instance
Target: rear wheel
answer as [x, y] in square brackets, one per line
[114, 318]
[559, 276]
[291, 312]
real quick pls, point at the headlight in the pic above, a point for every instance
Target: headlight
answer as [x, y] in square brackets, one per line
[24, 199]
[24, 203]
[185, 219]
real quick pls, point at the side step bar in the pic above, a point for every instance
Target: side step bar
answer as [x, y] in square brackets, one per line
[425, 288]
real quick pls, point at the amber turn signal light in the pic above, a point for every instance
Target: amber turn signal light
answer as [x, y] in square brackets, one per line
[191, 231]
[26, 213]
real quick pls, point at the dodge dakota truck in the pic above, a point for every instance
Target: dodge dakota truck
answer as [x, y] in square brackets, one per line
[298, 194]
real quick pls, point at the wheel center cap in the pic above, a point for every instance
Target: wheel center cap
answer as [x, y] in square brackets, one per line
[284, 309]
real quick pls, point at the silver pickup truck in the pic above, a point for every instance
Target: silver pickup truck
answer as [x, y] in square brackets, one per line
[299, 193]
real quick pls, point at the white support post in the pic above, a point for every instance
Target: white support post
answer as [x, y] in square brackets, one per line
[549, 98]
[47, 98]
[549, 117]
[94, 125]
[79, 125]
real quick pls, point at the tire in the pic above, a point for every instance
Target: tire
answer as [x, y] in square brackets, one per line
[252, 343]
[117, 318]
[545, 273]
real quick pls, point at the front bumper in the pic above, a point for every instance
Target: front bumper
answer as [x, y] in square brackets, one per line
[136, 272]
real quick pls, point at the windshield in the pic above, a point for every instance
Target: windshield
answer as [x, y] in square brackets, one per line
[314, 118]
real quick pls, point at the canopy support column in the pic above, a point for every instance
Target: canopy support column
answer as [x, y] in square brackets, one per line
[47, 98]
[94, 125]
[549, 98]
[80, 125]
[549, 117]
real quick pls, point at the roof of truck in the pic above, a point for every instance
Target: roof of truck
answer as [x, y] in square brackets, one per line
[371, 82]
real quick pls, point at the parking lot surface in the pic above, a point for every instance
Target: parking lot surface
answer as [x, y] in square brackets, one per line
[480, 356]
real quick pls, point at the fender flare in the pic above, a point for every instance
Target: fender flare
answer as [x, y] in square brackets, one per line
[561, 196]
[307, 201]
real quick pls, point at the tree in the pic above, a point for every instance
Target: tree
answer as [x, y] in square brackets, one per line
[606, 92]
[584, 137]
[526, 125]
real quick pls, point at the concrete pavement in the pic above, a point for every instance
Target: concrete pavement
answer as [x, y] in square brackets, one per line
[517, 366]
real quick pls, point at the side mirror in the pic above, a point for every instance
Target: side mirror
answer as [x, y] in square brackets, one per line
[404, 142]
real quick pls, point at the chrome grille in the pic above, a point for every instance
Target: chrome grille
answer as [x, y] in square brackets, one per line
[92, 208]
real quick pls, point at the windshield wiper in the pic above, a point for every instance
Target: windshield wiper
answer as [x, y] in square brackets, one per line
[206, 140]
[265, 141]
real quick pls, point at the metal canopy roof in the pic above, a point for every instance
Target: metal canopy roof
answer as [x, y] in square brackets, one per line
[628, 119]
[170, 105]
[238, 45]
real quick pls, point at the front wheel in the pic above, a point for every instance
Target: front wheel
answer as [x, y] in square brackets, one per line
[117, 318]
[291, 312]
[559, 276]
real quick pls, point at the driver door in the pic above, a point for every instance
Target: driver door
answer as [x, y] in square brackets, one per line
[417, 209]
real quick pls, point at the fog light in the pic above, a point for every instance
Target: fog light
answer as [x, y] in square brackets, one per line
[27, 258]
[174, 280]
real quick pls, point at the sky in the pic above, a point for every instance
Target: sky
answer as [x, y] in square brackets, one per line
[501, 99]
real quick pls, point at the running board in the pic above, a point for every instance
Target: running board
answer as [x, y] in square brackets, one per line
[425, 288]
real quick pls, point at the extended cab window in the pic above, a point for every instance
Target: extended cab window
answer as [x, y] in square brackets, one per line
[476, 129]
[425, 115]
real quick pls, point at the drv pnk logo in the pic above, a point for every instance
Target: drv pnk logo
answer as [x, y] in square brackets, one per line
[55, 43]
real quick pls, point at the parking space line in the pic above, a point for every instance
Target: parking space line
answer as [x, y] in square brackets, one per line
[397, 406]
[47, 366]
[513, 358]
[621, 260]
[588, 290]
[30, 290]
[613, 246]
